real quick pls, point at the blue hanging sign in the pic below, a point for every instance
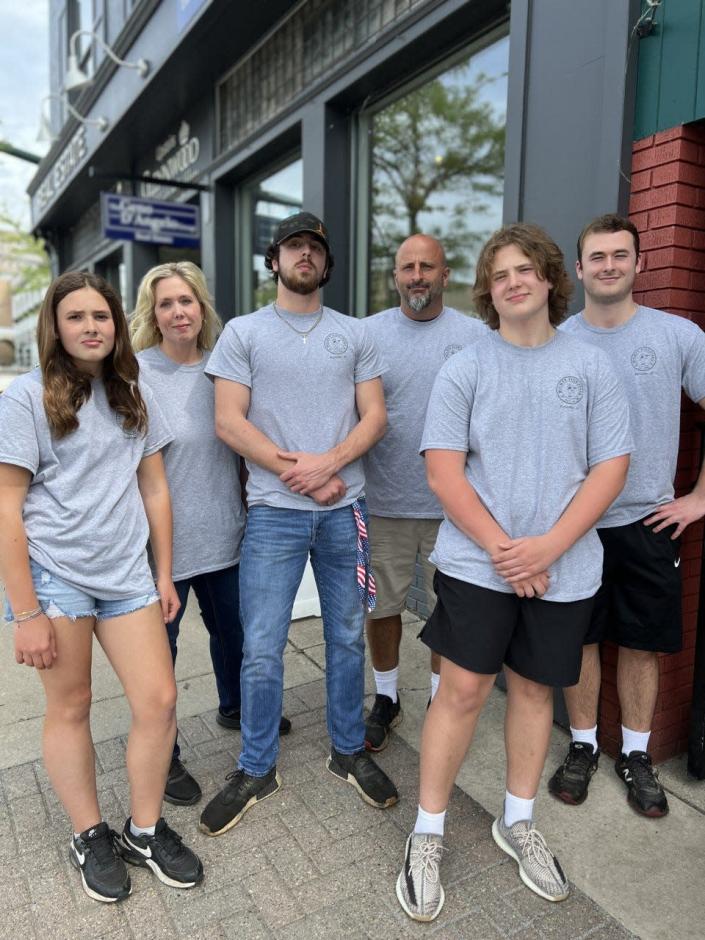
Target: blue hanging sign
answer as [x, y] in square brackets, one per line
[129, 218]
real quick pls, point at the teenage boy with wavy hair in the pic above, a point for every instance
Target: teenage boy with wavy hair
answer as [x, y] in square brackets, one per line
[517, 554]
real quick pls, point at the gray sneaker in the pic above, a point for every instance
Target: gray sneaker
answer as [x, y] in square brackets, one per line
[419, 887]
[538, 867]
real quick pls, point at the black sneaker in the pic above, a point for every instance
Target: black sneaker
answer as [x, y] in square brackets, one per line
[570, 782]
[227, 808]
[231, 720]
[645, 793]
[103, 873]
[181, 788]
[370, 781]
[384, 716]
[171, 861]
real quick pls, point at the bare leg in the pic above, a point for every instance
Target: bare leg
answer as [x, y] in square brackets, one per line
[138, 649]
[637, 685]
[435, 663]
[448, 731]
[384, 637]
[527, 732]
[582, 699]
[69, 757]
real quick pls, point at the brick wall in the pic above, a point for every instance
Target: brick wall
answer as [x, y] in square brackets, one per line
[668, 207]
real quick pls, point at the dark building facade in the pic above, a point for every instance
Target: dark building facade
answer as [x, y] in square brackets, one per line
[385, 117]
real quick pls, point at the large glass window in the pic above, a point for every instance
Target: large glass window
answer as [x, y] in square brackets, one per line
[263, 203]
[433, 162]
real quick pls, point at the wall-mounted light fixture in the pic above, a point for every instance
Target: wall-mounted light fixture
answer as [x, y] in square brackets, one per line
[45, 132]
[75, 76]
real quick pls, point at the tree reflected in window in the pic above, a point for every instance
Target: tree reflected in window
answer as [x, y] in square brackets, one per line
[437, 166]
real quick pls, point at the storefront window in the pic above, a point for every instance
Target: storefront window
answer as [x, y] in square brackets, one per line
[436, 163]
[265, 202]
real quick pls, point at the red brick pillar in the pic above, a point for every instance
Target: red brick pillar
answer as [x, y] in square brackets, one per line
[668, 207]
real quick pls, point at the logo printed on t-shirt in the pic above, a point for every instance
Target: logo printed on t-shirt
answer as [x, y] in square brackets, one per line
[336, 344]
[570, 389]
[643, 359]
[451, 349]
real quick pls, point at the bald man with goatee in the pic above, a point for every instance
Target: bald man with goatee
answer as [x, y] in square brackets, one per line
[416, 338]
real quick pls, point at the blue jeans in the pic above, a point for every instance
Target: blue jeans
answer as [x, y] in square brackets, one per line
[274, 552]
[218, 595]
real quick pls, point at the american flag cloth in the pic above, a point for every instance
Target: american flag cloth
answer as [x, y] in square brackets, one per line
[366, 586]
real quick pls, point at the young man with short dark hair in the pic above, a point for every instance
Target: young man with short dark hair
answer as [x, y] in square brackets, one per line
[298, 394]
[656, 354]
[526, 444]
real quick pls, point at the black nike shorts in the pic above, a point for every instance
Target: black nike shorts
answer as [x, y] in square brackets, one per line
[481, 630]
[639, 602]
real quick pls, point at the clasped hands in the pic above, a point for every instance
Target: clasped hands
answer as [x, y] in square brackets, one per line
[312, 475]
[524, 563]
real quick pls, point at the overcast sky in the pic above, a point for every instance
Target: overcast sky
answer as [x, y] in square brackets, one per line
[24, 70]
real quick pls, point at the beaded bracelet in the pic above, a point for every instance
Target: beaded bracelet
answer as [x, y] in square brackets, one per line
[26, 615]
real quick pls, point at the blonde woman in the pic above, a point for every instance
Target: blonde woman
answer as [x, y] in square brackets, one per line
[173, 329]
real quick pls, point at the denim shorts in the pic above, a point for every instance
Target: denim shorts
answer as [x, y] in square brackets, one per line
[59, 599]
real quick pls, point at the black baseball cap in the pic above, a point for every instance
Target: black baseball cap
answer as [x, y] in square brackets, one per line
[301, 222]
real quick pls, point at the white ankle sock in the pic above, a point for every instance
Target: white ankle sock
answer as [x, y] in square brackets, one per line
[634, 741]
[435, 681]
[386, 682]
[516, 809]
[430, 822]
[585, 736]
[142, 830]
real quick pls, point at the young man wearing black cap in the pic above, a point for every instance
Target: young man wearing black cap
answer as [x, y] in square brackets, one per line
[299, 396]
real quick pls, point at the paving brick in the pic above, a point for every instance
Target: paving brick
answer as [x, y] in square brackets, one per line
[19, 781]
[245, 925]
[313, 860]
[18, 923]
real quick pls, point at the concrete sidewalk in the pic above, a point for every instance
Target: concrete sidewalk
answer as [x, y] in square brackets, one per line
[314, 860]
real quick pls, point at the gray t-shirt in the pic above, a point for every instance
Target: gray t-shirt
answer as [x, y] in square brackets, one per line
[395, 474]
[84, 516]
[533, 421]
[203, 472]
[302, 394]
[655, 354]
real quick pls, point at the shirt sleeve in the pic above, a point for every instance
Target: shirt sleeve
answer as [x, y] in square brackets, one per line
[230, 358]
[450, 406]
[159, 433]
[693, 343]
[370, 363]
[609, 433]
[19, 444]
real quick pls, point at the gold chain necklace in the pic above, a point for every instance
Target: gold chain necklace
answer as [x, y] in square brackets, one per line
[304, 334]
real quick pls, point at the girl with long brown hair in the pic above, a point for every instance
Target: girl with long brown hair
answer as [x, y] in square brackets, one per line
[82, 487]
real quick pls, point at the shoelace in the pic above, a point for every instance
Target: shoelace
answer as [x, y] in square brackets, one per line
[533, 845]
[103, 847]
[425, 860]
[644, 774]
[169, 841]
[577, 756]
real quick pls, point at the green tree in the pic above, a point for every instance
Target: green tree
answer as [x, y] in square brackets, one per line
[23, 260]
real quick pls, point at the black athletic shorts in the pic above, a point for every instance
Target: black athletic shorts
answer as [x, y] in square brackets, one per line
[480, 630]
[639, 603]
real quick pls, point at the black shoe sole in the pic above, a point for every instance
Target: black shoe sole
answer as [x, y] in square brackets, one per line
[654, 812]
[376, 748]
[178, 801]
[343, 775]
[134, 858]
[565, 797]
[253, 801]
[91, 892]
